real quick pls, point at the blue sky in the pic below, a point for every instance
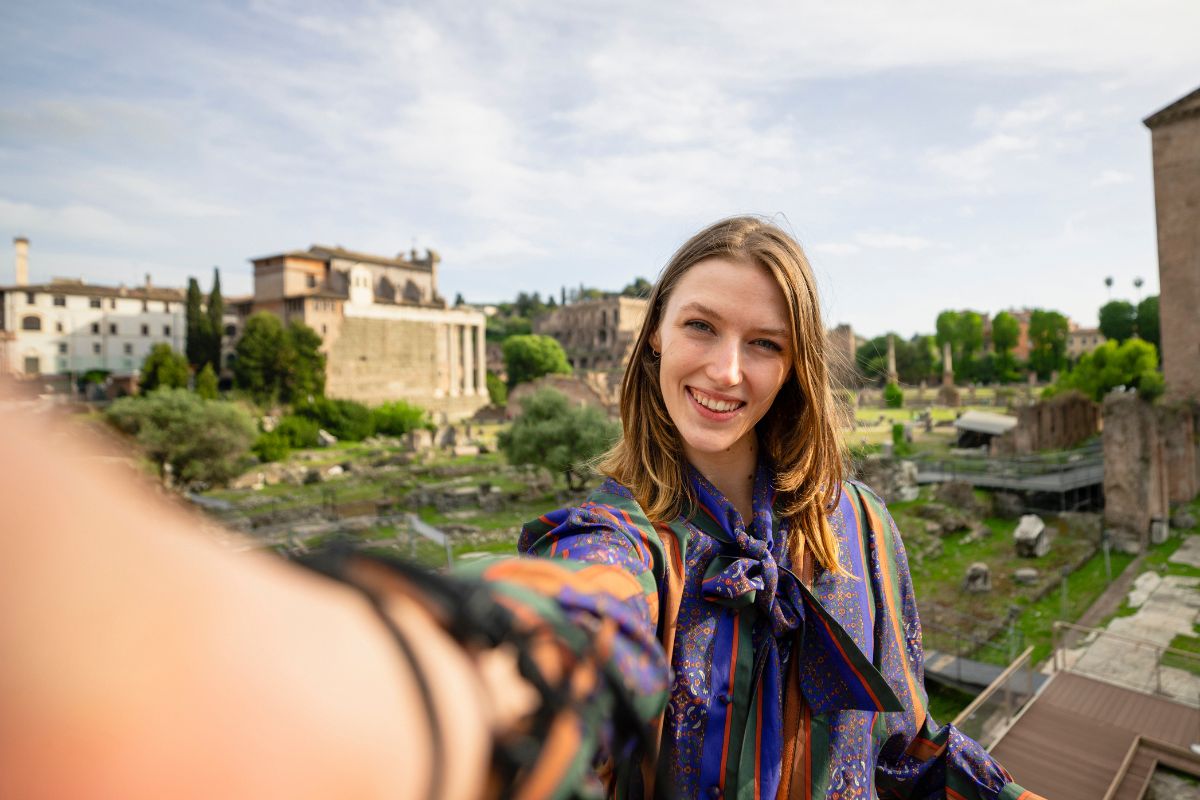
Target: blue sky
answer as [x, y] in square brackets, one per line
[928, 155]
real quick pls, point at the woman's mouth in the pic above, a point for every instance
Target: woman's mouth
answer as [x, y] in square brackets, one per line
[713, 407]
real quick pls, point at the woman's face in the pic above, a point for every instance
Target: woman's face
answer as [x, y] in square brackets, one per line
[725, 340]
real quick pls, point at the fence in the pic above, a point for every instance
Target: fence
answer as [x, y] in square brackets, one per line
[1133, 663]
[995, 709]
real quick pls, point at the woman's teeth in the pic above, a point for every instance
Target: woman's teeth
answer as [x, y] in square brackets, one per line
[713, 404]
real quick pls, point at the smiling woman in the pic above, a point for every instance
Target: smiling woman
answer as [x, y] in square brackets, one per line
[778, 590]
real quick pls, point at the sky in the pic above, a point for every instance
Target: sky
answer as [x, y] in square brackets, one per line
[926, 154]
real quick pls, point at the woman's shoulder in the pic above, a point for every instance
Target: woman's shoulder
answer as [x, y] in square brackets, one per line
[610, 508]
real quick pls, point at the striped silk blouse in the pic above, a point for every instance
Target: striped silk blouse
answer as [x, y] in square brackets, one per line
[782, 683]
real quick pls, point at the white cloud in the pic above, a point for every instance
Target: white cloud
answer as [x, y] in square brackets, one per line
[836, 248]
[76, 221]
[894, 241]
[1112, 177]
[979, 161]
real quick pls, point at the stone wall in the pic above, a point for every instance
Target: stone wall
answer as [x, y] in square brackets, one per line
[1131, 494]
[379, 360]
[1175, 136]
[1150, 461]
[1055, 424]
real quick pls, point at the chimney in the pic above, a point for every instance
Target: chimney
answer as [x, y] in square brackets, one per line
[21, 246]
[148, 284]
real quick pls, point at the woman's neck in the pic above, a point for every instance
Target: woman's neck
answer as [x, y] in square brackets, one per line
[732, 473]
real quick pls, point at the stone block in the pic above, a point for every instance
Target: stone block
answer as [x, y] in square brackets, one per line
[1030, 537]
[978, 579]
[1026, 576]
[325, 438]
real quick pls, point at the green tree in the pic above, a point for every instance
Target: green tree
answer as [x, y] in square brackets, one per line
[1118, 319]
[968, 333]
[216, 321]
[527, 358]
[196, 345]
[303, 364]
[1147, 320]
[640, 287]
[552, 434]
[204, 441]
[1132, 363]
[500, 326]
[163, 368]
[277, 363]
[1006, 330]
[206, 383]
[1047, 341]
[260, 357]
[947, 330]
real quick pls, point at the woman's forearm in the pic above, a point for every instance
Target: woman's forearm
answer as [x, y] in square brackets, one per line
[140, 660]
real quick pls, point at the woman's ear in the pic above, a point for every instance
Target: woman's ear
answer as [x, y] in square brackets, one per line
[656, 341]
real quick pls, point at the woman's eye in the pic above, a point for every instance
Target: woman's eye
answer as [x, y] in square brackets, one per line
[699, 325]
[769, 345]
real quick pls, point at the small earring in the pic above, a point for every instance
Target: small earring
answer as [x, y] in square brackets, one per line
[655, 354]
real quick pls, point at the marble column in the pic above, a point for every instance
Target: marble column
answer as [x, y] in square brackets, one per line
[468, 365]
[481, 360]
[453, 346]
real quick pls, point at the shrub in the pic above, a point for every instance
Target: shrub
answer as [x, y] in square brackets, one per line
[202, 440]
[893, 396]
[345, 419]
[398, 418]
[297, 432]
[528, 358]
[271, 446]
[497, 390]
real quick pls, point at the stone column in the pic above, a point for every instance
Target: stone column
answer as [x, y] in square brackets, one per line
[468, 366]
[947, 366]
[481, 360]
[453, 342]
[892, 376]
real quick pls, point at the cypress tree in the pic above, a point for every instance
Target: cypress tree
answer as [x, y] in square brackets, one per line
[216, 323]
[196, 346]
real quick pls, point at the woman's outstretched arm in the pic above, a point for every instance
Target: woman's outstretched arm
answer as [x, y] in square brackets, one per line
[139, 660]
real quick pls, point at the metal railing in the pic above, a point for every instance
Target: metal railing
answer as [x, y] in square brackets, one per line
[1129, 662]
[993, 712]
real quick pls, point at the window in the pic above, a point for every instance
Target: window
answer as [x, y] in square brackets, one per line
[96, 348]
[31, 323]
[60, 300]
[310, 281]
[324, 330]
[166, 330]
[95, 327]
[58, 326]
[145, 330]
[231, 330]
[112, 328]
[33, 365]
[112, 302]
[128, 349]
[29, 298]
[166, 307]
[93, 302]
[62, 348]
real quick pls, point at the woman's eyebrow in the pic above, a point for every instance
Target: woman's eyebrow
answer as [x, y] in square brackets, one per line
[700, 308]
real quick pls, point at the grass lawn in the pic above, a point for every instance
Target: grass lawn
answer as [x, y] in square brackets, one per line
[1188, 644]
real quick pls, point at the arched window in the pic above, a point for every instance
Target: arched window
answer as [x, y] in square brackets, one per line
[31, 323]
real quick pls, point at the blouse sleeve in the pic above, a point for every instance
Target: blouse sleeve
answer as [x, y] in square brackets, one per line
[919, 758]
[590, 594]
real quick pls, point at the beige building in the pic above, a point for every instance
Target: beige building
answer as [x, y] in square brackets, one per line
[67, 327]
[1083, 340]
[387, 333]
[1175, 138]
[596, 334]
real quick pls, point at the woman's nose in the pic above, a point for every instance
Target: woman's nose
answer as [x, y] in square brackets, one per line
[725, 367]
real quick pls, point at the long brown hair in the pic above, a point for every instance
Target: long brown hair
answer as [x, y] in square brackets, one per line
[799, 433]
